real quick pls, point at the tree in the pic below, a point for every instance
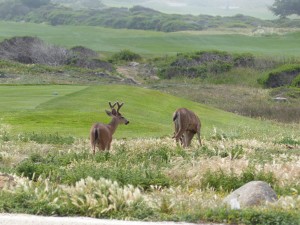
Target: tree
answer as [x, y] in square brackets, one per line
[285, 8]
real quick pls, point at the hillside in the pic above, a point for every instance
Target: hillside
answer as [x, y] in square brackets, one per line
[54, 109]
[256, 8]
[136, 17]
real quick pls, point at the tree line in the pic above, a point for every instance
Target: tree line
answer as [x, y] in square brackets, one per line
[138, 17]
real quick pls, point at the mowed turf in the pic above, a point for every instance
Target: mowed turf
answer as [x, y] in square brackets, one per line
[71, 110]
[151, 43]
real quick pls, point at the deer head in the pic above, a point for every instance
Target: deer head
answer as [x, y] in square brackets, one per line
[115, 114]
[101, 134]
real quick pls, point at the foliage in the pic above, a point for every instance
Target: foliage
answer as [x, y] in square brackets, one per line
[203, 64]
[252, 216]
[57, 166]
[152, 44]
[46, 138]
[126, 55]
[137, 17]
[187, 197]
[296, 81]
[282, 76]
[228, 182]
[32, 50]
[285, 8]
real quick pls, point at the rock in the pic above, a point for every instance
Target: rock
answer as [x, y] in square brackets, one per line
[6, 180]
[280, 99]
[251, 194]
[134, 64]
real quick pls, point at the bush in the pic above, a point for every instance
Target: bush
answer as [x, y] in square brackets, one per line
[282, 76]
[31, 50]
[126, 55]
[221, 181]
[296, 82]
[203, 64]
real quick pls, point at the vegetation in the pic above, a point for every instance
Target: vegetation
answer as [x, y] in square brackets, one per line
[285, 75]
[126, 55]
[36, 109]
[198, 69]
[151, 179]
[44, 125]
[285, 8]
[137, 17]
[149, 43]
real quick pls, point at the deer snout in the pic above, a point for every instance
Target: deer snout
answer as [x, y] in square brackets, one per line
[127, 122]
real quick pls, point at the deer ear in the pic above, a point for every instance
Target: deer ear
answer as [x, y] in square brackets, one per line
[108, 113]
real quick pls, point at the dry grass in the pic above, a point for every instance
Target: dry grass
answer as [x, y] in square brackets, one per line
[187, 168]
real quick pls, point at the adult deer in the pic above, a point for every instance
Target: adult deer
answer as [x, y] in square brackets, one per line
[187, 124]
[101, 134]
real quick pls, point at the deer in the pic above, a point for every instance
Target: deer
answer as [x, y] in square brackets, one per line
[187, 124]
[101, 134]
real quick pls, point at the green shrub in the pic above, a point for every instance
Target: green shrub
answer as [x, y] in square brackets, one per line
[222, 181]
[244, 60]
[126, 55]
[282, 76]
[251, 217]
[289, 141]
[68, 168]
[296, 81]
[42, 138]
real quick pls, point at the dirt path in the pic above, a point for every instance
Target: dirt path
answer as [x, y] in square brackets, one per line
[130, 73]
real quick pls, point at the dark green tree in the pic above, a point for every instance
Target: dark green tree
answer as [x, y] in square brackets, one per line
[285, 8]
[35, 3]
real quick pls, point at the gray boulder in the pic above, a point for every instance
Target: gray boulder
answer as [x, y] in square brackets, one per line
[251, 194]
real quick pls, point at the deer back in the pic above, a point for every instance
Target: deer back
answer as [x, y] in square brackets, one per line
[186, 120]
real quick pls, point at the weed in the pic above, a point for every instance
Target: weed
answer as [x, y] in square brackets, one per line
[289, 141]
[221, 181]
[46, 138]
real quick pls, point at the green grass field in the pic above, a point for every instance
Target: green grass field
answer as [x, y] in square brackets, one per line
[71, 110]
[151, 43]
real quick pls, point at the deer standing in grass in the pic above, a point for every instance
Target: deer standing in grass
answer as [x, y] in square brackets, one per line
[101, 134]
[187, 124]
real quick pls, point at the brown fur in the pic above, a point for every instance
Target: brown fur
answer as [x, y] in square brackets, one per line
[101, 134]
[187, 124]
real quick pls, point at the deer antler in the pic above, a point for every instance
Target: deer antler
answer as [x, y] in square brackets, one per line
[119, 106]
[112, 106]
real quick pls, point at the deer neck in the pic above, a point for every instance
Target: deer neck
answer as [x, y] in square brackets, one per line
[113, 125]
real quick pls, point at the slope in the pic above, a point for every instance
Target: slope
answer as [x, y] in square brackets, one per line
[149, 112]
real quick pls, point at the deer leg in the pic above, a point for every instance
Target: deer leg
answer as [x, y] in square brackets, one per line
[189, 136]
[101, 146]
[178, 136]
[94, 148]
[199, 138]
[108, 146]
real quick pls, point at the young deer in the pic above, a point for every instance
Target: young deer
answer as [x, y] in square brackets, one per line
[101, 134]
[187, 124]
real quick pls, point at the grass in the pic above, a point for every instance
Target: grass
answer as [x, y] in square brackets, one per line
[71, 110]
[149, 43]
[150, 179]
[145, 176]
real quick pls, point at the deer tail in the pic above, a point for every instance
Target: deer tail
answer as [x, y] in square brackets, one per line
[94, 138]
[175, 115]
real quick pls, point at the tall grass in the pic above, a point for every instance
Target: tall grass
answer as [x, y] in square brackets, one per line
[151, 179]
